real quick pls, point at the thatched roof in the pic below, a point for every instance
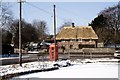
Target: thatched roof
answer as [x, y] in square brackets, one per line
[81, 32]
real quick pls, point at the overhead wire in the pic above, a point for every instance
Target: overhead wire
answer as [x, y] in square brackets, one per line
[47, 12]
[51, 14]
[58, 8]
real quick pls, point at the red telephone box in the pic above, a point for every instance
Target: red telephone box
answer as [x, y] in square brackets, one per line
[52, 54]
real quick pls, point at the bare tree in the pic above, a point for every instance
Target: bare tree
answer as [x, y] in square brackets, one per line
[6, 37]
[41, 27]
[29, 33]
[113, 19]
[6, 19]
[6, 16]
[67, 23]
[107, 24]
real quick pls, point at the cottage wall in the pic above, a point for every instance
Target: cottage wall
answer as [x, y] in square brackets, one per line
[77, 44]
[77, 37]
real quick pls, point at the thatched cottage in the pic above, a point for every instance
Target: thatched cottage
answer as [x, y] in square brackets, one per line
[78, 37]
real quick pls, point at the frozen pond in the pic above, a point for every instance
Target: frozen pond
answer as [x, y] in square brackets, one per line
[89, 70]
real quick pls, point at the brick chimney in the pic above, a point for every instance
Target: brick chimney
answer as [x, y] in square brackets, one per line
[73, 25]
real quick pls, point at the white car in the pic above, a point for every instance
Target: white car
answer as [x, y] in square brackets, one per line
[117, 54]
[33, 51]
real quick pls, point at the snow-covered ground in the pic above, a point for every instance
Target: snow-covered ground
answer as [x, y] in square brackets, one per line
[16, 68]
[79, 69]
[90, 70]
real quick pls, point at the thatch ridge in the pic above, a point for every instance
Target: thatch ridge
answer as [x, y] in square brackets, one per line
[78, 32]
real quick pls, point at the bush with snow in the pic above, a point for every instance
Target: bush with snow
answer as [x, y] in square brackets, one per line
[62, 63]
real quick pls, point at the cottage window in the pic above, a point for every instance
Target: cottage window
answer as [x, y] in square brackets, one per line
[90, 40]
[80, 40]
[71, 46]
[71, 40]
[63, 41]
[80, 46]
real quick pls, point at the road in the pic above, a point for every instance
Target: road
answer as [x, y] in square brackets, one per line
[15, 60]
[27, 58]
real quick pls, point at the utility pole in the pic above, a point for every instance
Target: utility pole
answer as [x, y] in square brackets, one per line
[20, 25]
[0, 29]
[115, 34]
[54, 31]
